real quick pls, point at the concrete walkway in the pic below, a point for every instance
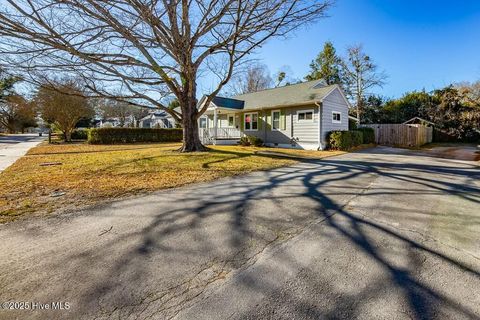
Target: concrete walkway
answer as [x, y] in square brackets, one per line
[14, 146]
[379, 234]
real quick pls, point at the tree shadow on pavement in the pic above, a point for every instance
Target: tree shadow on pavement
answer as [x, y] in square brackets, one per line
[228, 223]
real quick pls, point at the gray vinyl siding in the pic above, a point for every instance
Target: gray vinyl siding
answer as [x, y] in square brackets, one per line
[272, 136]
[261, 132]
[334, 102]
[305, 131]
[280, 136]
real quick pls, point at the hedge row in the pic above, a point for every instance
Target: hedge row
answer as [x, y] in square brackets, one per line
[80, 134]
[345, 140]
[368, 134]
[132, 135]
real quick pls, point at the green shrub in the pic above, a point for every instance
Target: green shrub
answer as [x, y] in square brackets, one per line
[255, 141]
[368, 134]
[357, 137]
[244, 141]
[352, 124]
[344, 140]
[251, 141]
[132, 135]
[78, 134]
[339, 140]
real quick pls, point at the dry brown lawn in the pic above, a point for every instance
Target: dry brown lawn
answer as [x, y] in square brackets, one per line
[54, 178]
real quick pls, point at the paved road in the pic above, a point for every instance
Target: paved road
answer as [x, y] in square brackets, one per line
[380, 234]
[15, 146]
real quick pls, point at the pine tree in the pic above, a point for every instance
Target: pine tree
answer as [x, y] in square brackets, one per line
[326, 66]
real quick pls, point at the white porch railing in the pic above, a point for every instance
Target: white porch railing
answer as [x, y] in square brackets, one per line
[210, 135]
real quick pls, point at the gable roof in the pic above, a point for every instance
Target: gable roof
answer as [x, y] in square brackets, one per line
[155, 114]
[421, 120]
[292, 95]
[295, 94]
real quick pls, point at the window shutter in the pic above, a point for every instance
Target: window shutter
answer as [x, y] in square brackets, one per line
[242, 121]
[283, 120]
[269, 121]
[260, 120]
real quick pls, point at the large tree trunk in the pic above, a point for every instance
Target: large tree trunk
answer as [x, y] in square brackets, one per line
[191, 138]
[68, 136]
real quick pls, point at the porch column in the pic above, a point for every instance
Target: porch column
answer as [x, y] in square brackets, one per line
[215, 126]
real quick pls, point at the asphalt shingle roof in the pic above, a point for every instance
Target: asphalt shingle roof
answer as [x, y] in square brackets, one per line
[284, 96]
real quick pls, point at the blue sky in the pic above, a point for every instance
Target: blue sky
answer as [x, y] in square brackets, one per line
[420, 44]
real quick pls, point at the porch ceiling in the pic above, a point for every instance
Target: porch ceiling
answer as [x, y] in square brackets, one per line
[220, 110]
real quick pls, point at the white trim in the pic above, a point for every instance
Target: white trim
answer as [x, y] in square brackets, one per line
[337, 121]
[320, 124]
[244, 123]
[421, 119]
[305, 111]
[279, 120]
[206, 122]
[228, 120]
[215, 125]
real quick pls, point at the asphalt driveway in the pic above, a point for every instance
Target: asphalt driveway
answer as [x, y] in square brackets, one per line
[384, 233]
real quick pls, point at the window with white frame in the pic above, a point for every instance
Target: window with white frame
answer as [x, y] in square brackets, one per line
[276, 120]
[336, 117]
[251, 121]
[305, 115]
[202, 123]
[231, 120]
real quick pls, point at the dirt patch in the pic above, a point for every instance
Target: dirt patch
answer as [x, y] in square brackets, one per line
[458, 153]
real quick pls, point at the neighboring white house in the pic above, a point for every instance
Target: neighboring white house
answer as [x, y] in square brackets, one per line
[157, 119]
[114, 122]
[298, 116]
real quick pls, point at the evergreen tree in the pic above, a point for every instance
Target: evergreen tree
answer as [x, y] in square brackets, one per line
[326, 66]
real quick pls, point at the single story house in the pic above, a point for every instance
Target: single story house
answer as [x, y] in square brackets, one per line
[113, 122]
[157, 119]
[294, 116]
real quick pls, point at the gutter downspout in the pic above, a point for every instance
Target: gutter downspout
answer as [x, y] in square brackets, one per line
[320, 127]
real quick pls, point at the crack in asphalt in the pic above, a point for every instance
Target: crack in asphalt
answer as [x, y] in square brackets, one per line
[425, 236]
[274, 243]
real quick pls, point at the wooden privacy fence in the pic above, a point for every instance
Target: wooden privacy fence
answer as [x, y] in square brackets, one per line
[402, 135]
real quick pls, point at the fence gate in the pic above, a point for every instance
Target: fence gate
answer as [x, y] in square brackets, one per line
[401, 135]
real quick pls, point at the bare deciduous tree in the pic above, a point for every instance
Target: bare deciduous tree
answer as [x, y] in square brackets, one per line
[359, 75]
[255, 78]
[147, 48]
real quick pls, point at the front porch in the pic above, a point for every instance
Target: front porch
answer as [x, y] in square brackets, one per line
[220, 125]
[218, 135]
